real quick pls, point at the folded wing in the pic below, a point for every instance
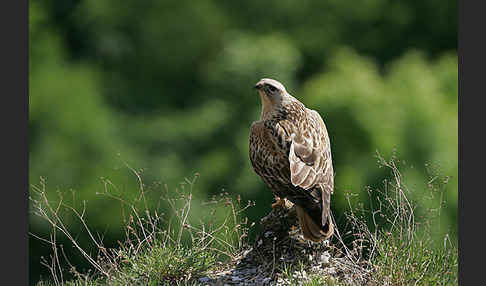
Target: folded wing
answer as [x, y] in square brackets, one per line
[310, 158]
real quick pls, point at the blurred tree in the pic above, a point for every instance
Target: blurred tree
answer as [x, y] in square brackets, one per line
[409, 110]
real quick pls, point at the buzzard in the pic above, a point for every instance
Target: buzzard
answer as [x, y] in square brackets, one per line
[290, 150]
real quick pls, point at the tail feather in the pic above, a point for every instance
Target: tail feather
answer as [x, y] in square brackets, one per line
[312, 230]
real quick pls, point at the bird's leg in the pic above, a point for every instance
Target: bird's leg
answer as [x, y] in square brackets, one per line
[279, 202]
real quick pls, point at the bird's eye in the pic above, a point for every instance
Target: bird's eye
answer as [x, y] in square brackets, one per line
[272, 88]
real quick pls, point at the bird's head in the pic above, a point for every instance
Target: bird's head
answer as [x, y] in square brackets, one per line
[272, 94]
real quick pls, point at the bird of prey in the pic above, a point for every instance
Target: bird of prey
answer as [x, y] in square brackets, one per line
[290, 150]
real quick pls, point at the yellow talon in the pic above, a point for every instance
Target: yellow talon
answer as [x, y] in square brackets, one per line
[279, 203]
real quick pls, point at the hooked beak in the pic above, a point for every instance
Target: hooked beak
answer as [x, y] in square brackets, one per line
[259, 85]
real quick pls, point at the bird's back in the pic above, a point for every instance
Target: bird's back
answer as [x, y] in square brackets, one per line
[270, 144]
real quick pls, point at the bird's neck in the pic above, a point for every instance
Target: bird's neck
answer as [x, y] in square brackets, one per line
[268, 107]
[271, 109]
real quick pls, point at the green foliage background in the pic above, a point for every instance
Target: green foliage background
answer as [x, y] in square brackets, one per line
[166, 86]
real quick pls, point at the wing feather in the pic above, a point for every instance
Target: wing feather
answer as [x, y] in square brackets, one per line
[310, 158]
[310, 155]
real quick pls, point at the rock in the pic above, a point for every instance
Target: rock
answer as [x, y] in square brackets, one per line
[281, 244]
[204, 279]
[325, 258]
